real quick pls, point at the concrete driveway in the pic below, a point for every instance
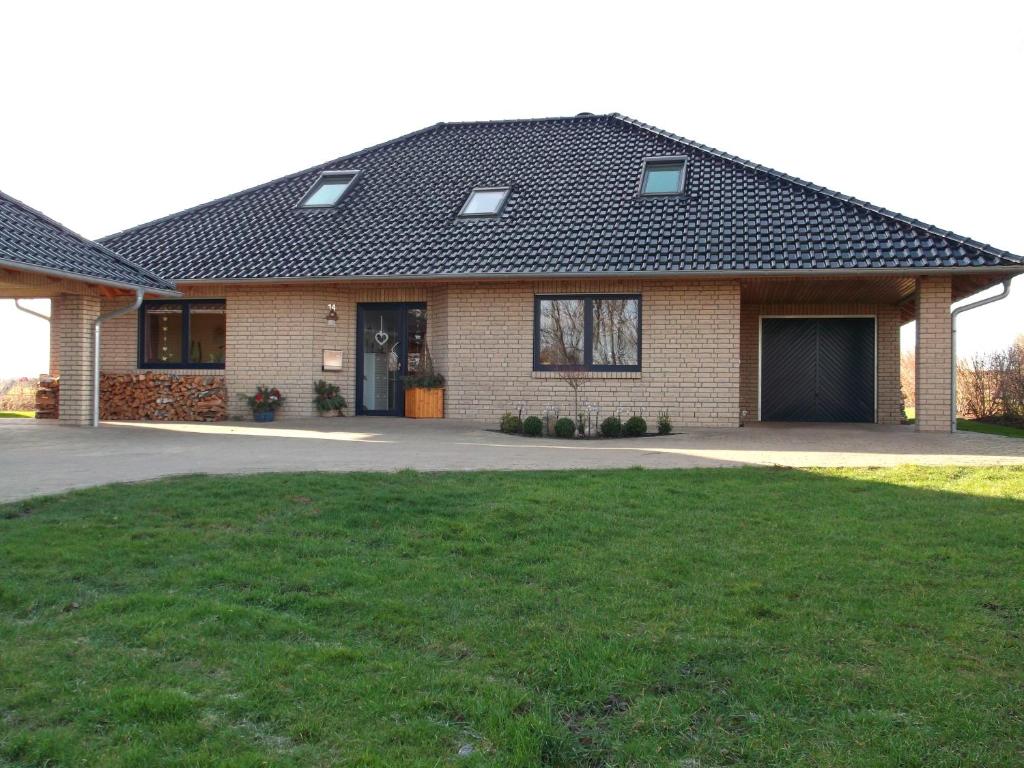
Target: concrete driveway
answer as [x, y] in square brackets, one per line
[39, 457]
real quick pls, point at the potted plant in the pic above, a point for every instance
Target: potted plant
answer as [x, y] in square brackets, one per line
[264, 403]
[424, 391]
[328, 399]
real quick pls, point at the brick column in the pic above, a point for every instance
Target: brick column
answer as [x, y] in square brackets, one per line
[75, 354]
[54, 336]
[934, 354]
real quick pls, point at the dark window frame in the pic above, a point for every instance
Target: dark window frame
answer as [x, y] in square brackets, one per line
[325, 178]
[487, 214]
[588, 332]
[186, 305]
[664, 162]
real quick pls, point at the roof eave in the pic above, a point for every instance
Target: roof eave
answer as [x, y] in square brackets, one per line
[695, 274]
[80, 278]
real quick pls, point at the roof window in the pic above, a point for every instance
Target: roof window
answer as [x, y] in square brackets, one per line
[328, 190]
[663, 176]
[485, 201]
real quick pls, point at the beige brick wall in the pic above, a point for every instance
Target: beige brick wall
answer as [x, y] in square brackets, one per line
[690, 354]
[75, 350]
[889, 409]
[934, 354]
[481, 338]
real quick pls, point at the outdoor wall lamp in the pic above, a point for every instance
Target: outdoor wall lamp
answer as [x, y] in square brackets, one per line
[332, 315]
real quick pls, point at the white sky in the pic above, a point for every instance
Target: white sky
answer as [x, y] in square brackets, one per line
[115, 114]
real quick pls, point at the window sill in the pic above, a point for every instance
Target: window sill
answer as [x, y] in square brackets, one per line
[590, 374]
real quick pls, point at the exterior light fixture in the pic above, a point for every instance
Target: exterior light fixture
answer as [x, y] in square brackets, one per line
[332, 315]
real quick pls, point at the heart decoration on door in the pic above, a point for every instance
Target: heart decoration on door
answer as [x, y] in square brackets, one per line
[381, 337]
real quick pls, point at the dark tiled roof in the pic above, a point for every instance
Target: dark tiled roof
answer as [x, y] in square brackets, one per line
[573, 209]
[34, 241]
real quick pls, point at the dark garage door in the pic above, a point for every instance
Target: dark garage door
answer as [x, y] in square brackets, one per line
[818, 369]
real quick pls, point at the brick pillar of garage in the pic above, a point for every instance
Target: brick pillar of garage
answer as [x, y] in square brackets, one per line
[75, 357]
[934, 354]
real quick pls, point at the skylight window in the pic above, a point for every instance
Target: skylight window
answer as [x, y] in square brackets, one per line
[485, 201]
[328, 190]
[664, 176]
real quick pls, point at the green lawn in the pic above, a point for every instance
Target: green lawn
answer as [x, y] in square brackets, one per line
[17, 414]
[970, 425]
[751, 617]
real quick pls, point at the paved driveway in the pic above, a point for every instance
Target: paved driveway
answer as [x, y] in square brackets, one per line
[41, 457]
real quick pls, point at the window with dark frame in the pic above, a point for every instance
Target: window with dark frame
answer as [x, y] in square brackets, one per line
[663, 176]
[599, 332]
[328, 190]
[182, 334]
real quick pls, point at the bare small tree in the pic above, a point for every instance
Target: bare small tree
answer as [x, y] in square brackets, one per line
[575, 376]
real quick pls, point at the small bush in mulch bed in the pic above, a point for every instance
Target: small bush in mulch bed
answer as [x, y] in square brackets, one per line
[635, 426]
[611, 427]
[511, 425]
[565, 427]
[664, 425]
[533, 426]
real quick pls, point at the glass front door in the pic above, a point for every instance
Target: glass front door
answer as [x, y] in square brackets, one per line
[391, 340]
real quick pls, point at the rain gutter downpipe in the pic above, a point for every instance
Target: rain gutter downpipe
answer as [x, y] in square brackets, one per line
[31, 311]
[956, 313]
[96, 351]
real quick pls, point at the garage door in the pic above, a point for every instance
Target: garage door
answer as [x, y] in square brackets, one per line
[818, 369]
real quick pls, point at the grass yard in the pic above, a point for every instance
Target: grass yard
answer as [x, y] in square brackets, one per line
[17, 414]
[693, 618]
[968, 425]
[971, 425]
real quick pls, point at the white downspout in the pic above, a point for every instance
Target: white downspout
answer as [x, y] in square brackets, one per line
[956, 313]
[96, 352]
[31, 311]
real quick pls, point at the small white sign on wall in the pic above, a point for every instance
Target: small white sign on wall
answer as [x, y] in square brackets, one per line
[332, 360]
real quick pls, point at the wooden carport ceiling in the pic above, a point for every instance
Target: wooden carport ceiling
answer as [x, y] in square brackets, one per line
[872, 289]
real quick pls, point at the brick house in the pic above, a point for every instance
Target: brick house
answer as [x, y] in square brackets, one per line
[681, 278]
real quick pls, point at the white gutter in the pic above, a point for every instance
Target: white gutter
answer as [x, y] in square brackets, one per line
[31, 311]
[956, 313]
[697, 274]
[139, 293]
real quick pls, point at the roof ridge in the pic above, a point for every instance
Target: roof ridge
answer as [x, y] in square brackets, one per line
[263, 185]
[84, 241]
[505, 121]
[878, 210]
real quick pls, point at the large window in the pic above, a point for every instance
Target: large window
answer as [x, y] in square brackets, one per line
[182, 334]
[597, 333]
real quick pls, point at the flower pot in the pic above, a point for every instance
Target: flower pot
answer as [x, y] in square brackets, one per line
[263, 416]
[325, 414]
[422, 403]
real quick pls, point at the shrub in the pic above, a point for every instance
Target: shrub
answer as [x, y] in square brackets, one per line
[664, 425]
[611, 427]
[635, 427]
[565, 427]
[533, 426]
[511, 425]
[328, 397]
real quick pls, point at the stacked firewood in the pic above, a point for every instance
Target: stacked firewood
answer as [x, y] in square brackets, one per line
[162, 397]
[48, 397]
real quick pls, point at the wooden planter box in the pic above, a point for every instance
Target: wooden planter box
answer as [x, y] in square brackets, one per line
[423, 403]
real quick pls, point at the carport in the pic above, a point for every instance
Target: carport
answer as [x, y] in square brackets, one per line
[827, 348]
[42, 259]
